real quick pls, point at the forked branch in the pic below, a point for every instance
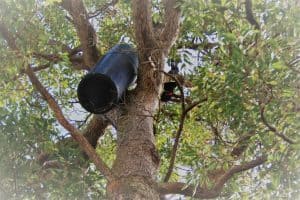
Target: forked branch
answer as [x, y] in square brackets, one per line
[201, 192]
[84, 29]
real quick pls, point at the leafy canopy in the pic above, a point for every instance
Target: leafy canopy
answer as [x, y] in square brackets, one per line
[250, 78]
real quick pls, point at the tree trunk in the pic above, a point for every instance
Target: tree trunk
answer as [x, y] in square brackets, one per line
[137, 160]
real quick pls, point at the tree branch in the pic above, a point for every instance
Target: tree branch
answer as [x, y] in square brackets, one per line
[170, 29]
[35, 69]
[236, 169]
[76, 60]
[95, 129]
[272, 128]
[217, 134]
[200, 192]
[184, 112]
[85, 30]
[103, 9]
[249, 14]
[142, 20]
[75, 133]
[179, 130]
[38, 68]
[64, 47]
[92, 132]
[50, 57]
[11, 42]
[177, 138]
[293, 64]
[242, 144]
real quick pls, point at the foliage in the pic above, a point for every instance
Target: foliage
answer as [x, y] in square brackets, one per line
[238, 68]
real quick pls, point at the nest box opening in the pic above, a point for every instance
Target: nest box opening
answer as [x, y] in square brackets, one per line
[97, 93]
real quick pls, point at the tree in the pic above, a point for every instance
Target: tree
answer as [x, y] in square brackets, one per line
[232, 132]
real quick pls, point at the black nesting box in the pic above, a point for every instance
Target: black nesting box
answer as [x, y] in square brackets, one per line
[101, 89]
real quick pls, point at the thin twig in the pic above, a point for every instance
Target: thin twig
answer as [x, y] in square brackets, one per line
[103, 9]
[272, 128]
[35, 69]
[218, 135]
[184, 112]
[177, 137]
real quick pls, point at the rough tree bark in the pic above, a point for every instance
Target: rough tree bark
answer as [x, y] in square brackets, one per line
[137, 159]
[133, 175]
